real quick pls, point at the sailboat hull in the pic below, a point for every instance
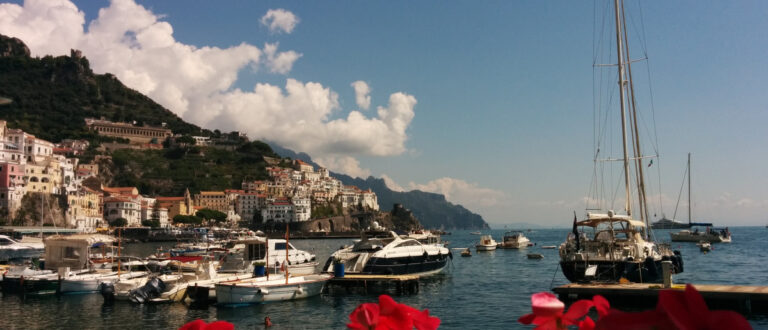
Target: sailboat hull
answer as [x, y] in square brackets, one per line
[648, 271]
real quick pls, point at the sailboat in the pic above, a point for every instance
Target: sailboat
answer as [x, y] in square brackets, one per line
[709, 234]
[608, 246]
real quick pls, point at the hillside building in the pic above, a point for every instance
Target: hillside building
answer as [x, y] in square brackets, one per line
[136, 134]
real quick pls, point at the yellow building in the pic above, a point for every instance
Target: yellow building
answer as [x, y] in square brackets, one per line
[43, 177]
[84, 209]
[214, 200]
[177, 205]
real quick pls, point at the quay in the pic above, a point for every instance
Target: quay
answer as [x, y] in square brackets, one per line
[401, 284]
[740, 298]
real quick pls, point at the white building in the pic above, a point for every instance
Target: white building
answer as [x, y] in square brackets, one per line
[280, 210]
[122, 207]
[302, 209]
[250, 203]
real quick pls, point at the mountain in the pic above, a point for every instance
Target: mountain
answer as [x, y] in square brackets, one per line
[52, 96]
[432, 210]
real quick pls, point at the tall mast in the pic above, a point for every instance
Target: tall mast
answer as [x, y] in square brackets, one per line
[689, 189]
[622, 84]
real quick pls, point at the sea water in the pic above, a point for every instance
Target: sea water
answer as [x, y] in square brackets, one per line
[489, 290]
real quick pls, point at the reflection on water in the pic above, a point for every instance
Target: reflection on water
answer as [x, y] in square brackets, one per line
[489, 290]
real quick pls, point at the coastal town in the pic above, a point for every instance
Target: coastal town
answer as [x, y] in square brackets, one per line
[30, 165]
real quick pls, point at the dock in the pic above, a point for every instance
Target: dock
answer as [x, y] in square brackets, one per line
[400, 284]
[740, 298]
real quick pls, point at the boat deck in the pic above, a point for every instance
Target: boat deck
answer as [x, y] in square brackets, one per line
[742, 298]
[400, 284]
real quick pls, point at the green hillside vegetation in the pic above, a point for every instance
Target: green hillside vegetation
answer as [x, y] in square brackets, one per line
[169, 172]
[51, 97]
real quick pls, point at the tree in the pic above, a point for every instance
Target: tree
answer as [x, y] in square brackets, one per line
[119, 222]
[154, 223]
[209, 215]
[187, 219]
[185, 140]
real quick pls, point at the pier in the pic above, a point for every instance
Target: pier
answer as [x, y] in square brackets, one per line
[741, 298]
[400, 284]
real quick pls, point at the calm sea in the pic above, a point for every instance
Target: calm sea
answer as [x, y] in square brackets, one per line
[489, 290]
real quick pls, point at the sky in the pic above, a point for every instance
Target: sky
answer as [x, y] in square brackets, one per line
[491, 103]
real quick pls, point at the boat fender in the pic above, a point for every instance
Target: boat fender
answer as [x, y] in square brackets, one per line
[264, 291]
[650, 265]
[426, 256]
[300, 290]
[679, 258]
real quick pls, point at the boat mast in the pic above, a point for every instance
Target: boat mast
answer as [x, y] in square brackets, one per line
[622, 84]
[689, 189]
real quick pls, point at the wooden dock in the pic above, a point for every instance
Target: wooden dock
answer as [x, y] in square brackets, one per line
[741, 298]
[399, 284]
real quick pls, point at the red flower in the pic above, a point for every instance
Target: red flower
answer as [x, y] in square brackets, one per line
[201, 325]
[548, 312]
[388, 314]
[676, 310]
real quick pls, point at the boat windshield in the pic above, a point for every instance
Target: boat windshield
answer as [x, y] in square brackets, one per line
[369, 245]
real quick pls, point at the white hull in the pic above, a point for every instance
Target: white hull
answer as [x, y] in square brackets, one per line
[91, 282]
[262, 291]
[485, 247]
[178, 292]
[692, 237]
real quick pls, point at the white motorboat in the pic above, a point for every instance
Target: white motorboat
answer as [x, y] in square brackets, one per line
[704, 246]
[486, 243]
[11, 249]
[514, 240]
[392, 255]
[92, 280]
[247, 253]
[260, 290]
[712, 235]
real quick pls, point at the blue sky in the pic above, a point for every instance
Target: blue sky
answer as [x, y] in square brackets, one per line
[502, 121]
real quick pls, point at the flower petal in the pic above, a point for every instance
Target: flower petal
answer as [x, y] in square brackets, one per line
[727, 320]
[366, 316]
[587, 324]
[545, 304]
[601, 304]
[422, 321]
[220, 325]
[673, 303]
[387, 305]
[616, 319]
[577, 310]
[696, 304]
[527, 318]
[194, 325]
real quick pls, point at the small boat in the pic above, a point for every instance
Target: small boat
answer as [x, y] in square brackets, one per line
[244, 254]
[514, 240]
[486, 243]
[11, 249]
[92, 281]
[466, 253]
[261, 290]
[535, 256]
[704, 246]
[475, 233]
[710, 234]
[549, 247]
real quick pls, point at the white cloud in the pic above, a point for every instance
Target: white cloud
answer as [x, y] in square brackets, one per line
[279, 62]
[345, 164]
[459, 191]
[280, 20]
[391, 184]
[362, 98]
[196, 83]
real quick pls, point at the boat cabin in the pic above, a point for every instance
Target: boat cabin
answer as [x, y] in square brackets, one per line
[72, 251]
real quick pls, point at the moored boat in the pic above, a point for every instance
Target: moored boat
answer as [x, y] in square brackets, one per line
[260, 289]
[392, 255]
[486, 243]
[514, 240]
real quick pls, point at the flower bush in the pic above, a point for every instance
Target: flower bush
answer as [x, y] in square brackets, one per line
[201, 325]
[389, 315]
[675, 310]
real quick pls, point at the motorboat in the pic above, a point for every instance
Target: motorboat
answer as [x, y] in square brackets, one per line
[93, 280]
[486, 243]
[514, 240]
[391, 255]
[704, 246]
[11, 249]
[466, 253]
[665, 223]
[710, 234]
[475, 233]
[245, 254]
[261, 290]
[427, 237]
[535, 256]
[65, 256]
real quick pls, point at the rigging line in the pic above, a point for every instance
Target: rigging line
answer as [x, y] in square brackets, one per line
[680, 194]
